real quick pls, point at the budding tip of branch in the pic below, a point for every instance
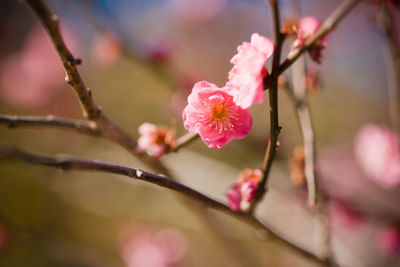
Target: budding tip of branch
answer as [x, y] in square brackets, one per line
[74, 61]
[55, 18]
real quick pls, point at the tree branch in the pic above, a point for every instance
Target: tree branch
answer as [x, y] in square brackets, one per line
[73, 163]
[392, 62]
[50, 23]
[299, 95]
[82, 126]
[329, 24]
[273, 107]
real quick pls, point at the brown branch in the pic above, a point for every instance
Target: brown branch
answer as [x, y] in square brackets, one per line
[50, 23]
[73, 163]
[329, 24]
[299, 95]
[392, 62]
[82, 126]
[273, 107]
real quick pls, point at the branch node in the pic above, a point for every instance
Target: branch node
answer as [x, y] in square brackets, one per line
[74, 61]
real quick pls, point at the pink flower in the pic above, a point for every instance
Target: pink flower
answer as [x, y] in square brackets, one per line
[306, 28]
[243, 191]
[389, 240]
[155, 140]
[377, 150]
[246, 77]
[106, 49]
[212, 113]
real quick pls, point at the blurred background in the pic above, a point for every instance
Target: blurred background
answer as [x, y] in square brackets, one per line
[141, 59]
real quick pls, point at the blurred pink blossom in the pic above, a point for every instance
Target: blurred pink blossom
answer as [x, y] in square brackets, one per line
[389, 240]
[106, 49]
[342, 215]
[30, 77]
[155, 140]
[246, 77]
[243, 191]
[153, 248]
[212, 114]
[159, 52]
[377, 150]
[195, 11]
[306, 28]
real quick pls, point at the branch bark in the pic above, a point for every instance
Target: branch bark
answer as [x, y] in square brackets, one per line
[81, 126]
[273, 108]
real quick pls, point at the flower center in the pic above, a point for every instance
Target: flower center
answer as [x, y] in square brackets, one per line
[219, 112]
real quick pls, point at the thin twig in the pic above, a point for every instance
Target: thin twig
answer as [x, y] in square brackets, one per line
[273, 107]
[340, 12]
[300, 98]
[298, 93]
[82, 126]
[73, 163]
[392, 62]
[184, 140]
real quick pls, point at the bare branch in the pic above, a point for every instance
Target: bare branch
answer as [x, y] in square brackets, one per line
[392, 61]
[329, 24]
[50, 23]
[82, 126]
[299, 95]
[273, 107]
[73, 163]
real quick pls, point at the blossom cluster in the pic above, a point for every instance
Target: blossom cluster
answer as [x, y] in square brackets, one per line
[220, 115]
[243, 191]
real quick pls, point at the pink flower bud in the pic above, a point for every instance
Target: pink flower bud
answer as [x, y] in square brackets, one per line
[389, 240]
[243, 191]
[155, 140]
[234, 197]
[306, 28]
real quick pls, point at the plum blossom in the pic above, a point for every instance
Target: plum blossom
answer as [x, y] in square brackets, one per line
[246, 77]
[389, 240]
[377, 150]
[212, 113]
[153, 248]
[243, 191]
[306, 28]
[155, 140]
